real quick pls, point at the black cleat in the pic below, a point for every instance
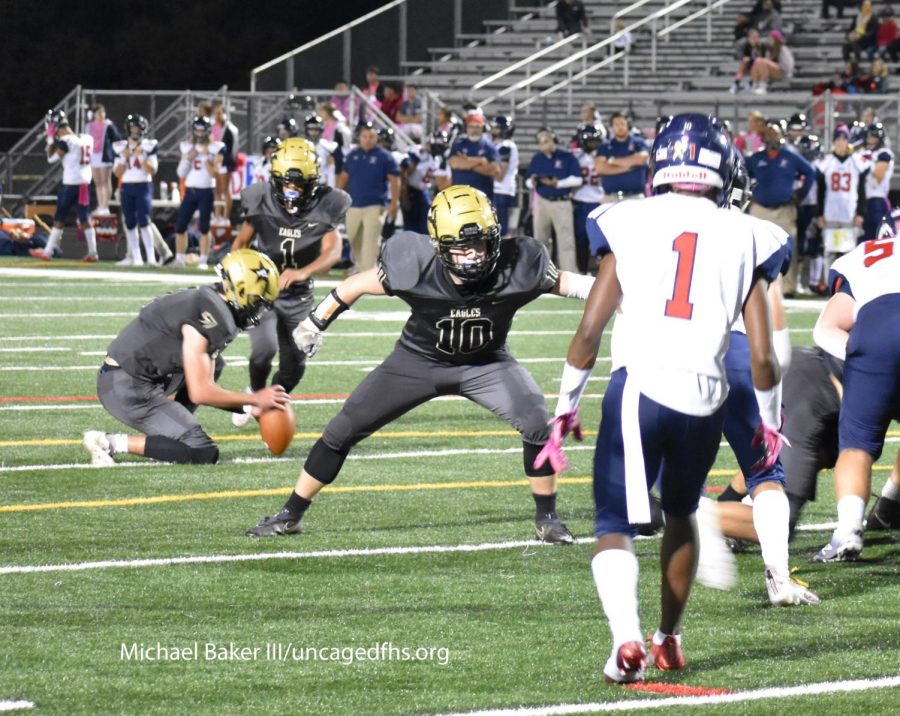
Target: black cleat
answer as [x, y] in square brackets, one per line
[884, 515]
[552, 530]
[736, 545]
[284, 523]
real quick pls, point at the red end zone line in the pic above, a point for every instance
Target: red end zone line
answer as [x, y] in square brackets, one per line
[657, 687]
[87, 398]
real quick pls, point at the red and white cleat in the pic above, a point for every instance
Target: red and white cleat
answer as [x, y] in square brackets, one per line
[627, 665]
[667, 656]
[90, 259]
[40, 254]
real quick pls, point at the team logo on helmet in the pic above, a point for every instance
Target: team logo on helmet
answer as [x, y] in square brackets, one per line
[465, 232]
[249, 283]
[295, 174]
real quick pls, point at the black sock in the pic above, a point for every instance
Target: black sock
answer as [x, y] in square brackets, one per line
[729, 494]
[296, 505]
[545, 506]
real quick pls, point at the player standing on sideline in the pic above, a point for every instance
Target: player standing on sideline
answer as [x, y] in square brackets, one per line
[464, 287]
[502, 129]
[841, 197]
[296, 220]
[681, 286]
[329, 153]
[199, 166]
[261, 171]
[135, 165]
[861, 322]
[173, 348]
[880, 162]
[75, 151]
[589, 195]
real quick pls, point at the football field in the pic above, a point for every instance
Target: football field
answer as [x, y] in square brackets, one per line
[415, 588]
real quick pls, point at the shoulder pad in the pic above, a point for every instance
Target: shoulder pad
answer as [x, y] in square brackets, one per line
[119, 146]
[252, 198]
[404, 257]
[185, 147]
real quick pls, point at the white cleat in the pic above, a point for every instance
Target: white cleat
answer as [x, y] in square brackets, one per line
[784, 590]
[97, 444]
[127, 261]
[716, 567]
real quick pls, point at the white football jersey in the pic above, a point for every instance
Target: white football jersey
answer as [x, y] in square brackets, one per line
[591, 191]
[878, 189]
[507, 184]
[261, 170]
[841, 187]
[76, 161]
[325, 150]
[135, 171]
[685, 267]
[870, 271]
[197, 176]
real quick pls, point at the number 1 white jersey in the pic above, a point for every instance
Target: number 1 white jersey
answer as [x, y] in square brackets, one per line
[686, 268]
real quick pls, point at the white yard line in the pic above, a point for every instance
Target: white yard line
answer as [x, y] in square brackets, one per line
[15, 705]
[632, 705]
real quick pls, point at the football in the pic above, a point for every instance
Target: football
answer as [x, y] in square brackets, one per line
[277, 428]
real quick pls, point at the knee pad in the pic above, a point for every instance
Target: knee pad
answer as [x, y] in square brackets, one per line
[324, 463]
[166, 449]
[529, 454]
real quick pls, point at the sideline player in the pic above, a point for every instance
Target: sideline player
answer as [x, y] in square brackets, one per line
[880, 161]
[74, 150]
[135, 165]
[173, 348]
[682, 286]
[296, 219]
[464, 287]
[861, 323]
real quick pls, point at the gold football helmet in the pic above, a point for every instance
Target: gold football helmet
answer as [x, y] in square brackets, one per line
[295, 174]
[250, 284]
[462, 218]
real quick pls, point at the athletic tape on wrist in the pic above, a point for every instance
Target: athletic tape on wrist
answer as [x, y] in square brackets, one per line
[328, 310]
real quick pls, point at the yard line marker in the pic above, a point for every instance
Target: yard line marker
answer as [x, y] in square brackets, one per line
[34, 349]
[15, 705]
[772, 692]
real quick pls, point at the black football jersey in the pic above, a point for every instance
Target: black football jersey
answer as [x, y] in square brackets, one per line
[292, 240]
[462, 324]
[150, 346]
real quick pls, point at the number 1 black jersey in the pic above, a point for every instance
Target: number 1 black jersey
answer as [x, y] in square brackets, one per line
[292, 240]
[462, 324]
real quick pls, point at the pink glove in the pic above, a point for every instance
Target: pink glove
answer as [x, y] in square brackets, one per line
[771, 440]
[561, 426]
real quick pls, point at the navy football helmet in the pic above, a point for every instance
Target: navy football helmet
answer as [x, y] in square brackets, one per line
[287, 125]
[875, 131]
[504, 125]
[270, 142]
[136, 126]
[810, 146]
[438, 143]
[693, 152]
[858, 133]
[57, 118]
[798, 123]
[386, 137]
[313, 125]
[590, 135]
[201, 127]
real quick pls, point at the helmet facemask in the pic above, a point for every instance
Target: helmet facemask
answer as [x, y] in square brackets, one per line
[472, 256]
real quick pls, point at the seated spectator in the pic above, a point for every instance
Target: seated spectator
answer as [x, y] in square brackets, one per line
[751, 141]
[887, 35]
[861, 36]
[393, 98]
[335, 129]
[749, 19]
[778, 65]
[841, 82]
[754, 48]
[18, 237]
[342, 102]
[571, 17]
[623, 43]
[768, 18]
[409, 117]
[876, 81]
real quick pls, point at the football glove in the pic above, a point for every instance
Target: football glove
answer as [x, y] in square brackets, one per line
[561, 426]
[771, 441]
[308, 337]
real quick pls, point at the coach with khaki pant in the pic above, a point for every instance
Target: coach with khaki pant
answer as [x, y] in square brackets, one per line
[553, 173]
[372, 178]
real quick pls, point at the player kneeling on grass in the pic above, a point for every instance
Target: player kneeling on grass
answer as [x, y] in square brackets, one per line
[464, 286]
[173, 348]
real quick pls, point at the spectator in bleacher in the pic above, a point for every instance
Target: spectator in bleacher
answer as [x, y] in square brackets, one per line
[473, 157]
[374, 90]
[448, 122]
[838, 4]
[345, 104]
[393, 98]
[861, 35]
[335, 126]
[876, 81]
[589, 195]
[372, 178]
[622, 162]
[754, 49]
[571, 17]
[104, 133]
[751, 141]
[502, 130]
[225, 131]
[778, 64]
[842, 82]
[887, 34]
[409, 117]
[749, 19]
[776, 192]
[624, 42]
[553, 173]
[768, 18]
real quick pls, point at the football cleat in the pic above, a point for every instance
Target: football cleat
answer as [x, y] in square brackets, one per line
[284, 523]
[91, 259]
[884, 515]
[39, 254]
[627, 665]
[127, 261]
[841, 548]
[97, 444]
[552, 530]
[737, 546]
[716, 566]
[667, 656]
[785, 590]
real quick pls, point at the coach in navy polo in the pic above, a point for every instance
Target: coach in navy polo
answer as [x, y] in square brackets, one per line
[776, 170]
[622, 162]
[553, 173]
[372, 178]
[473, 158]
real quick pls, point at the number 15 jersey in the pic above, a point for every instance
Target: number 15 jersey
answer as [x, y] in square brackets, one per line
[686, 268]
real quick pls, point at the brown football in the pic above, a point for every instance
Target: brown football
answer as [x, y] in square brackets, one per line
[277, 428]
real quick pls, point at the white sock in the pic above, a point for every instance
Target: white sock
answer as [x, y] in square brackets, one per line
[91, 238]
[179, 257]
[850, 510]
[134, 247]
[118, 442]
[53, 241]
[147, 240]
[616, 576]
[815, 269]
[891, 491]
[771, 513]
[659, 638]
[202, 259]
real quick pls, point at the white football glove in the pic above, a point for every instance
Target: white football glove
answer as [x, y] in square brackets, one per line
[308, 337]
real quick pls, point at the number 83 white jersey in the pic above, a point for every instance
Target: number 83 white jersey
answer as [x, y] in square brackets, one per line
[686, 268]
